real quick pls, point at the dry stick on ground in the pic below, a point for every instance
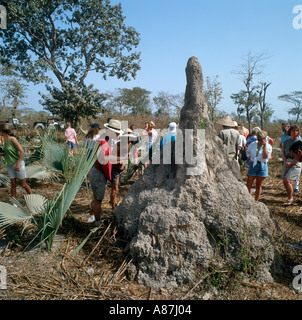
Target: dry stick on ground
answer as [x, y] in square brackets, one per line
[99, 242]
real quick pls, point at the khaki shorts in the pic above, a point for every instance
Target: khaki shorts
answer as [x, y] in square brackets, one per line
[12, 173]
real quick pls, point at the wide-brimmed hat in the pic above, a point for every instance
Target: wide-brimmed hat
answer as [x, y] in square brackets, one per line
[172, 127]
[226, 121]
[129, 135]
[114, 125]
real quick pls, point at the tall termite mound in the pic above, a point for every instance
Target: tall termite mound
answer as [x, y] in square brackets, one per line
[181, 216]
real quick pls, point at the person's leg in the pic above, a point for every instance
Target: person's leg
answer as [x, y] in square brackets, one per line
[96, 209]
[114, 191]
[13, 187]
[259, 181]
[98, 185]
[250, 180]
[25, 186]
[288, 184]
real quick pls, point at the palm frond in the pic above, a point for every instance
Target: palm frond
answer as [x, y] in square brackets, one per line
[10, 215]
[56, 209]
[4, 180]
[35, 203]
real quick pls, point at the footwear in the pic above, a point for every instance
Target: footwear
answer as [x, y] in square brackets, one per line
[97, 223]
[296, 190]
[91, 219]
[288, 202]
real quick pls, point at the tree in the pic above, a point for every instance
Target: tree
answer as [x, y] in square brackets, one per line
[240, 100]
[13, 93]
[68, 39]
[213, 95]
[264, 112]
[73, 103]
[296, 99]
[249, 70]
[136, 100]
[168, 105]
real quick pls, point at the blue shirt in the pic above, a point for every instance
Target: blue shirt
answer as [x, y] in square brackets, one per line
[168, 138]
[284, 137]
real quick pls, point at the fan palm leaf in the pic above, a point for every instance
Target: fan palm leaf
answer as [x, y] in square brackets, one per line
[10, 214]
[56, 209]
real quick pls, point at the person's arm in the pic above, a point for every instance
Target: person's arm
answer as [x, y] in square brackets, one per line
[265, 151]
[75, 137]
[20, 149]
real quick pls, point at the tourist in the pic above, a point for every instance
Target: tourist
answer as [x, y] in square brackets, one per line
[252, 137]
[259, 153]
[101, 171]
[291, 168]
[13, 157]
[121, 150]
[90, 141]
[152, 135]
[71, 138]
[284, 127]
[91, 138]
[296, 150]
[242, 152]
[230, 137]
[169, 137]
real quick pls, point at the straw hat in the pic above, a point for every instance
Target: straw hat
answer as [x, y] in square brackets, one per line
[129, 135]
[114, 125]
[226, 121]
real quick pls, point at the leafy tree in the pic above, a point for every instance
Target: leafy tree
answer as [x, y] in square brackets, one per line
[13, 94]
[74, 103]
[135, 100]
[68, 39]
[296, 99]
[245, 104]
[213, 95]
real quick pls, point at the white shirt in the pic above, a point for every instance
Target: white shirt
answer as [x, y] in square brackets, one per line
[255, 156]
[152, 138]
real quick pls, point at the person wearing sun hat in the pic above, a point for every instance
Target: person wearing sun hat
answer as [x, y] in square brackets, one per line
[169, 137]
[102, 169]
[121, 149]
[230, 136]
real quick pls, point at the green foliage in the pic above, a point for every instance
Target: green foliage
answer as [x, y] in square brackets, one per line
[294, 98]
[73, 102]
[68, 39]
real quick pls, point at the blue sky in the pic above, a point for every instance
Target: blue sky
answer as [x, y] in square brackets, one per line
[219, 33]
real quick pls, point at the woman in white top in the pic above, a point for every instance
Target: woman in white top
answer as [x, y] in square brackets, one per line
[259, 153]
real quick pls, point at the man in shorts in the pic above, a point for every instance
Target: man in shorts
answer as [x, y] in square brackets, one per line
[101, 171]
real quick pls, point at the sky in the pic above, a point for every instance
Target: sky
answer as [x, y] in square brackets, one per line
[220, 33]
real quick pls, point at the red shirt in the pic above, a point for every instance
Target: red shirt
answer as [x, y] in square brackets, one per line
[102, 164]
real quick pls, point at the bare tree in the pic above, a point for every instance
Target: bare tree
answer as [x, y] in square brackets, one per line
[213, 95]
[264, 108]
[251, 68]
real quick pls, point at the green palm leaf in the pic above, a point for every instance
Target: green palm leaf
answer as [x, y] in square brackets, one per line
[56, 209]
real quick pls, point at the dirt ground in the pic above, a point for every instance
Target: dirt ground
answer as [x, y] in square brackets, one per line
[99, 270]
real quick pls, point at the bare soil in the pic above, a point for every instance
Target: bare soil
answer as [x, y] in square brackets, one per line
[99, 270]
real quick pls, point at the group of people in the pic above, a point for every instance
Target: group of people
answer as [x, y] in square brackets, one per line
[249, 149]
[113, 157]
[254, 149]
